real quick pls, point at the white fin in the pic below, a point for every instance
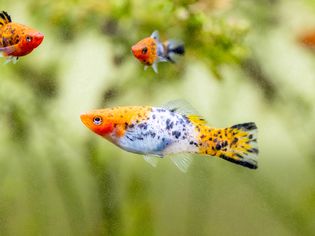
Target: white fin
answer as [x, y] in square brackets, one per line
[182, 161]
[155, 35]
[14, 60]
[154, 66]
[8, 60]
[152, 160]
[162, 59]
[181, 106]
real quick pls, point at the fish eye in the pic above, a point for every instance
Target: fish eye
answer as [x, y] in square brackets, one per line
[28, 38]
[97, 120]
[144, 50]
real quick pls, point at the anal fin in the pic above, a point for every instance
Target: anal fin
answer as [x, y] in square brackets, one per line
[182, 161]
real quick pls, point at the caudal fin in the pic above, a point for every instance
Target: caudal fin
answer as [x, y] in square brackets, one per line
[174, 50]
[237, 144]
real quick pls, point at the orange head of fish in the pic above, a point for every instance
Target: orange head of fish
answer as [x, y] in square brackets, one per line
[113, 122]
[100, 122]
[29, 40]
[145, 51]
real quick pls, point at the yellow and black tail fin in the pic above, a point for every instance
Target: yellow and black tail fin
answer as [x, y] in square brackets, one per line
[4, 18]
[237, 144]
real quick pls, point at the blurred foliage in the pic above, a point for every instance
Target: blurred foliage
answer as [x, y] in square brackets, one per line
[209, 34]
[243, 63]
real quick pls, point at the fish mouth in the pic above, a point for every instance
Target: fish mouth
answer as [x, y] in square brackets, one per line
[38, 39]
[85, 118]
[134, 50]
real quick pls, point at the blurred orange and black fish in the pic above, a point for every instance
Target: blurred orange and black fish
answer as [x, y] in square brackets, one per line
[16, 40]
[150, 51]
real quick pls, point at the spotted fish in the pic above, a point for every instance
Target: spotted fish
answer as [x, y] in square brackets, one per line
[150, 51]
[16, 40]
[173, 130]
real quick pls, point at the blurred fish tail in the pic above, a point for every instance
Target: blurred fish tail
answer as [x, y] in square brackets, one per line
[174, 49]
[237, 144]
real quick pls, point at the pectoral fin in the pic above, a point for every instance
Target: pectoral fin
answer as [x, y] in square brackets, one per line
[6, 51]
[155, 67]
[152, 160]
[9, 59]
[155, 35]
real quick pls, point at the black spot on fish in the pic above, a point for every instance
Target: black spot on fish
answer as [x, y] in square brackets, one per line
[191, 142]
[131, 126]
[253, 150]
[234, 141]
[218, 146]
[250, 136]
[224, 144]
[176, 134]
[169, 124]
[143, 126]
[153, 116]
[129, 138]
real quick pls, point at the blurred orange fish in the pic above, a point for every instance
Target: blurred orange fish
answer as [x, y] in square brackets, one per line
[307, 38]
[150, 51]
[16, 40]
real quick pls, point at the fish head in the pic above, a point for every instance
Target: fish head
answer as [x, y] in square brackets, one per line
[145, 51]
[112, 123]
[100, 121]
[30, 40]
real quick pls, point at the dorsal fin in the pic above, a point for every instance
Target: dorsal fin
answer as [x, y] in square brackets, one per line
[155, 35]
[180, 106]
[184, 108]
[198, 120]
[4, 18]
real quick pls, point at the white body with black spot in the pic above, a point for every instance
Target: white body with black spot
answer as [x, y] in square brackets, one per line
[163, 133]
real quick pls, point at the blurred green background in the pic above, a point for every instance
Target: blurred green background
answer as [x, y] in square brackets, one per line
[243, 63]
